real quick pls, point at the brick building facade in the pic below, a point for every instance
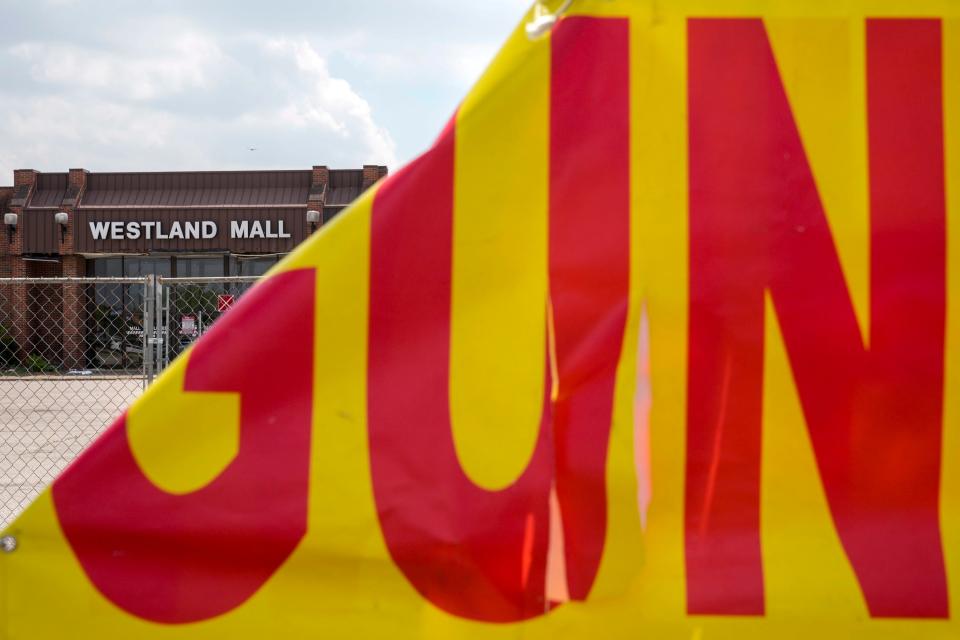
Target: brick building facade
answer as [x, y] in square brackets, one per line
[211, 223]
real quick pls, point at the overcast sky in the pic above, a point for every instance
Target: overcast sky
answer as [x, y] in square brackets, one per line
[114, 85]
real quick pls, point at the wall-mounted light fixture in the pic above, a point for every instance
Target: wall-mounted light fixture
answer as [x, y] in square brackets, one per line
[62, 218]
[10, 220]
[313, 217]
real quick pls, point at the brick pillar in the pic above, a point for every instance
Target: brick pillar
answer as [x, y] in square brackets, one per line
[24, 181]
[74, 314]
[319, 181]
[66, 235]
[372, 173]
[76, 186]
[45, 312]
[15, 316]
[321, 175]
[78, 178]
[24, 177]
[6, 194]
[74, 266]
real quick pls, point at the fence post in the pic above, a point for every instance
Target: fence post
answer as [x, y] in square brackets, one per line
[163, 324]
[149, 320]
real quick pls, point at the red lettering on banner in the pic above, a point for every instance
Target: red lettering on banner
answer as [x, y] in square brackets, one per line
[476, 553]
[757, 225]
[181, 558]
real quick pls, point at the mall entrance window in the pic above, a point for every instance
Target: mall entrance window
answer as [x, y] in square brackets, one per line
[241, 265]
[189, 308]
[194, 306]
[116, 317]
[200, 267]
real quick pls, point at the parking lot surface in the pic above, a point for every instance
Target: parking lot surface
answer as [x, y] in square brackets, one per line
[45, 422]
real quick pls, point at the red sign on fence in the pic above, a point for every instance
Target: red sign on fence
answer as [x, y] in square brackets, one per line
[224, 302]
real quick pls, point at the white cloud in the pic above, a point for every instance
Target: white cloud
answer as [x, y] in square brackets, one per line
[317, 100]
[185, 62]
[453, 63]
[194, 85]
[78, 121]
[114, 112]
[53, 133]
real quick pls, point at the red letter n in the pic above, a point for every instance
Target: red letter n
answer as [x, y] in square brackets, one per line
[757, 226]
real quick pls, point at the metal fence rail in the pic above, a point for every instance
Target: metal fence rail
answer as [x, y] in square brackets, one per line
[74, 352]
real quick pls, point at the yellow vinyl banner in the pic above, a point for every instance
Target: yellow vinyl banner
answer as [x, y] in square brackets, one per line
[661, 339]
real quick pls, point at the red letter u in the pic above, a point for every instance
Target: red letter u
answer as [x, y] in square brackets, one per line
[476, 553]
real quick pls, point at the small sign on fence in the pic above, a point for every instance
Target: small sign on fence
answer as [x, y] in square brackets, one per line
[188, 325]
[224, 302]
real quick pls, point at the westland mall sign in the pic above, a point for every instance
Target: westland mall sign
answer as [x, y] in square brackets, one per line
[190, 230]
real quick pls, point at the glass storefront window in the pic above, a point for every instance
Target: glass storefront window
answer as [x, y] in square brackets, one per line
[108, 298]
[116, 316]
[252, 265]
[106, 317]
[105, 267]
[194, 306]
[136, 266]
[206, 267]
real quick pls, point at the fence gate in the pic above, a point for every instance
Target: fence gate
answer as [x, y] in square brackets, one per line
[74, 352]
[181, 310]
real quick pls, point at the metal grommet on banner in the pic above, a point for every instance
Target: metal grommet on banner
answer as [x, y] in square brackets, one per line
[8, 544]
[543, 20]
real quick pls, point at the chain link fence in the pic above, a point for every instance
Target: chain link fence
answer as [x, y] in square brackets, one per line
[75, 352]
